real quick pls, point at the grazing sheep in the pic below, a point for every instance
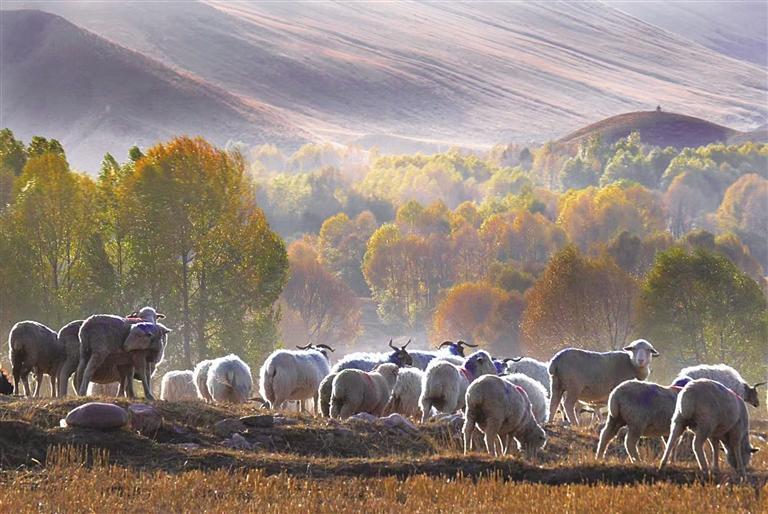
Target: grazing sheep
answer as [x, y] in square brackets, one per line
[356, 391]
[229, 380]
[111, 345]
[591, 376]
[294, 375]
[727, 376]
[5, 384]
[69, 337]
[422, 358]
[535, 369]
[644, 408]
[200, 375]
[33, 347]
[109, 389]
[405, 395]
[366, 361]
[444, 383]
[324, 393]
[537, 395]
[714, 413]
[178, 386]
[502, 411]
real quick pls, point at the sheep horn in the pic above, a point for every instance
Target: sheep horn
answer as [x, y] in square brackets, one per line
[391, 345]
[303, 347]
[759, 384]
[462, 343]
[446, 343]
[514, 359]
[325, 346]
[406, 344]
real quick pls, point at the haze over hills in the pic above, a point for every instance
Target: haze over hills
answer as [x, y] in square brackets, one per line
[470, 74]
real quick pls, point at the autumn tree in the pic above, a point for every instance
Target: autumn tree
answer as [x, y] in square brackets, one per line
[697, 307]
[582, 302]
[744, 210]
[342, 243]
[322, 308]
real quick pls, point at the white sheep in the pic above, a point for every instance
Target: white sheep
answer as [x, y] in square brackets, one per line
[591, 376]
[109, 389]
[727, 376]
[200, 377]
[324, 393]
[405, 395]
[537, 395]
[714, 413]
[178, 386]
[646, 410]
[294, 375]
[444, 383]
[535, 369]
[502, 411]
[229, 380]
[33, 347]
[356, 391]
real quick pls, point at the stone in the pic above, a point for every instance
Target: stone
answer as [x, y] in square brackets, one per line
[399, 422]
[145, 419]
[187, 446]
[259, 421]
[227, 427]
[101, 416]
[363, 417]
[237, 442]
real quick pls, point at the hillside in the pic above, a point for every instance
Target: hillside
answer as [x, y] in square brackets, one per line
[64, 82]
[655, 128]
[468, 74]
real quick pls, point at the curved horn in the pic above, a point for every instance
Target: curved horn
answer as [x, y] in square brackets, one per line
[304, 347]
[392, 346]
[325, 346]
[406, 344]
[759, 384]
[446, 343]
[463, 343]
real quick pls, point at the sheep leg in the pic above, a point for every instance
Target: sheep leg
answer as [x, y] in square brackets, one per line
[93, 364]
[491, 436]
[426, 407]
[140, 365]
[64, 373]
[25, 381]
[16, 362]
[39, 382]
[129, 391]
[54, 389]
[554, 401]
[569, 405]
[676, 431]
[698, 451]
[606, 436]
[630, 443]
[468, 430]
[715, 445]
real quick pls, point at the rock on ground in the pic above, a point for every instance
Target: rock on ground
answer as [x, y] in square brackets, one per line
[101, 416]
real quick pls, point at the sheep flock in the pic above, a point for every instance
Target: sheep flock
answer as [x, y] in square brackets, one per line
[503, 400]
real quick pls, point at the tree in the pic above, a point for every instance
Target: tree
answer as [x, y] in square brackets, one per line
[587, 303]
[326, 310]
[744, 210]
[697, 307]
[342, 242]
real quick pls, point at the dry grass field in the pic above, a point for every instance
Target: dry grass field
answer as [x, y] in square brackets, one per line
[311, 465]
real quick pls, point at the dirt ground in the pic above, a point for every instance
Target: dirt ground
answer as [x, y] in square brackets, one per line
[309, 447]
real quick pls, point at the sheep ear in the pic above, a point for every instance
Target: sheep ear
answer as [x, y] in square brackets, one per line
[628, 348]
[754, 450]
[134, 314]
[160, 316]
[654, 352]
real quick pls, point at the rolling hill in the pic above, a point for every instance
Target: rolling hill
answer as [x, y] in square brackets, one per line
[471, 74]
[62, 81]
[656, 128]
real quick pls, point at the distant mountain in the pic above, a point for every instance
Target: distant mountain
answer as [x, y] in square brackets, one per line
[656, 128]
[61, 81]
[736, 29]
[471, 74]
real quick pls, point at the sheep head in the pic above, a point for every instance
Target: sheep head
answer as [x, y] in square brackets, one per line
[642, 353]
[456, 348]
[400, 355]
[480, 363]
[322, 348]
[145, 336]
[750, 394]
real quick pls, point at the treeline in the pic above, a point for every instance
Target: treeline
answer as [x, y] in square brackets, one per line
[176, 227]
[509, 249]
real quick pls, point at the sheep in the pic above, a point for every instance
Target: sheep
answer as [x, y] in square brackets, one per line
[114, 348]
[324, 392]
[69, 337]
[444, 384]
[535, 369]
[229, 380]
[34, 347]
[537, 395]
[108, 389]
[366, 361]
[294, 375]
[405, 395]
[177, 386]
[502, 411]
[714, 413]
[644, 408]
[6, 387]
[200, 375]
[591, 376]
[356, 391]
[727, 376]
[422, 358]
[148, 314]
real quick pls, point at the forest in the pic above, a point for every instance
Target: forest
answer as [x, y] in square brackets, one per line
[521, 249]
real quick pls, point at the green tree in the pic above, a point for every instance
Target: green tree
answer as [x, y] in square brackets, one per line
[699, 308]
